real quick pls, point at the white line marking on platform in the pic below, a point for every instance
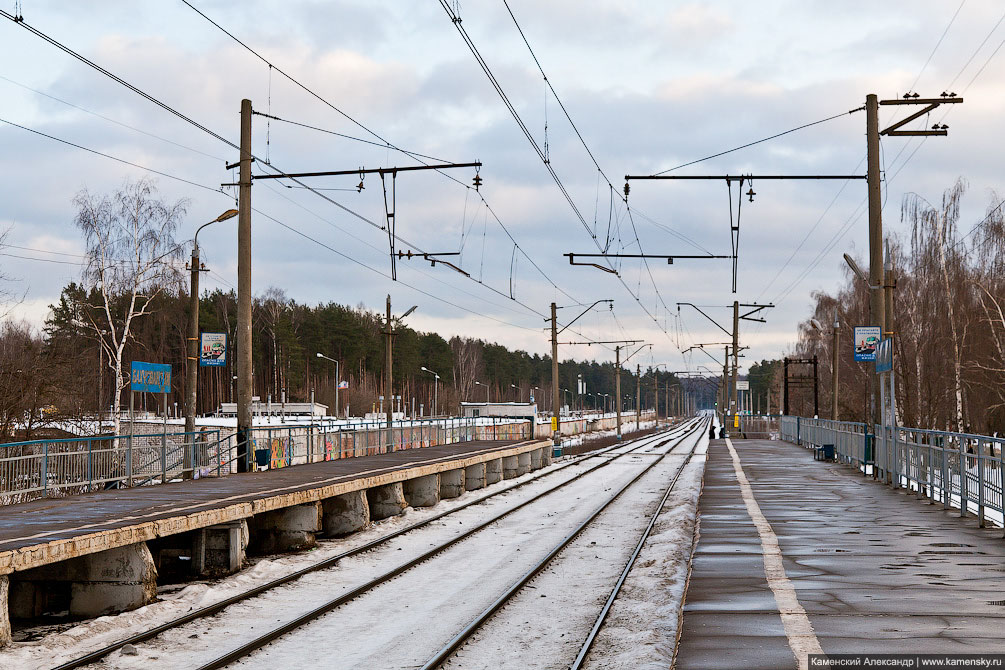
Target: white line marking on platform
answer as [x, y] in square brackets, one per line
[798, 629]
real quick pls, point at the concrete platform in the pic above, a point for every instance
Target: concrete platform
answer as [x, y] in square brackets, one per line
[45, 531]
[876, 570]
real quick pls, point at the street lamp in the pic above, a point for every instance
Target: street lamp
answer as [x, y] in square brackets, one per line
[519, 392]
[436, 383]
[337, 381]
[532, 394]
[486, 390]
[389, 392]
[192, 378]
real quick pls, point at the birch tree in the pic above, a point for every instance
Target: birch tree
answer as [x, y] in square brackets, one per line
[131, 251]
[934, 229]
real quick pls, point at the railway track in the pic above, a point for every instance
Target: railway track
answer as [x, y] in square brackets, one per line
[465, 634]
[607, 455]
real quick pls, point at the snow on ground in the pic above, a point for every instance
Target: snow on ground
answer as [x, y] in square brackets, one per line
[641, 630]
[627, 427]
[545, 624]
[411, 615]
[56, 648]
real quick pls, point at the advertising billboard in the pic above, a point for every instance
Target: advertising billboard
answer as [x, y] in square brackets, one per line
[866, 340]
[212, 350]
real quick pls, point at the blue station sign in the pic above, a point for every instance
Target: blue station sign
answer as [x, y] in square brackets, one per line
[150, 377]
[884, 355]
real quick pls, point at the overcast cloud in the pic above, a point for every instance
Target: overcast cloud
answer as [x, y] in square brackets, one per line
[650, 85]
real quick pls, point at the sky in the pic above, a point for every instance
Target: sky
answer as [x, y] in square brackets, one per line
[649, 86]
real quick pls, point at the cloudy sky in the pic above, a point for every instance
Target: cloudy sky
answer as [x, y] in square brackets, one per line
[649, 86]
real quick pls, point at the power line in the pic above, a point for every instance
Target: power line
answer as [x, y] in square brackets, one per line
[383, 142]
[937, 45]
[764, 139]
[110, 120]
[350, 137]
[110, 157]
[387, 276]
[589, 152]
[469, 42]
[83, 59]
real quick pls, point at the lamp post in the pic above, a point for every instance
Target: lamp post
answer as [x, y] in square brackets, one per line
[389, 334]
[519, 392]
[436, 384]
[486, 390]
[533, 396]
[337, 381]
[192, 378]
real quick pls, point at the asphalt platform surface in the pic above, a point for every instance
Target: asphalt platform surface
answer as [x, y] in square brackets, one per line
[876, 570]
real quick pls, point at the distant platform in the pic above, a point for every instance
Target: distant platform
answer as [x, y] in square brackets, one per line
[54, 529]
[874, 569]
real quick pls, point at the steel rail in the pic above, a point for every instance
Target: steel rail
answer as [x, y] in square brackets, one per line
[210, 610]
[588, 643]
[447, 650]
[308, 617]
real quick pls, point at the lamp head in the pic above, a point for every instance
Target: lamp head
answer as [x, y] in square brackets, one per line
[855, 268]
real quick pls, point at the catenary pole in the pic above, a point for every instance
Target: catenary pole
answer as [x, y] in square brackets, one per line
[617, 387]
[556, 401]
[244, 360]
[876, 306]
[734, 405]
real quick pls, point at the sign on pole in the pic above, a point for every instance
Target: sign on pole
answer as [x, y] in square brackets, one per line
[884, 356]
[866, 340]
[150, 377]
[212, 350]
[743, 385]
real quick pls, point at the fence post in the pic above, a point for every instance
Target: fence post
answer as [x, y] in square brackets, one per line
[45, 469]
[310, 443]
[963, 479]
[90, 452]
[129, 441]
[980, 483]
[946, 487]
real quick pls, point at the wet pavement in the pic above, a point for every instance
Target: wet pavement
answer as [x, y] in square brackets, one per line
[876, 570]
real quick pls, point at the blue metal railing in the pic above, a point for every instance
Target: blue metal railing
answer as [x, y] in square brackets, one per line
[957, 470]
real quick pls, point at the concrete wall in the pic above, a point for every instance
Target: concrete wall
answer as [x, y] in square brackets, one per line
[577, 426]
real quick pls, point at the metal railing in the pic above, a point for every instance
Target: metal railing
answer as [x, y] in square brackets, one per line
[757, 425]
[69, 466]
[957, 470]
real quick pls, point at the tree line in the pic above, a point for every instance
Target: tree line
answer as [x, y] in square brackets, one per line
[949, 323]
[131, 304]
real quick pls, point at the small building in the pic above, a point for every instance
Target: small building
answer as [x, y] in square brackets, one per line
[510, 410]
[259, 408]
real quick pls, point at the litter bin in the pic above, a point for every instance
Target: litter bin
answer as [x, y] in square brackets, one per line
[262, 458]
